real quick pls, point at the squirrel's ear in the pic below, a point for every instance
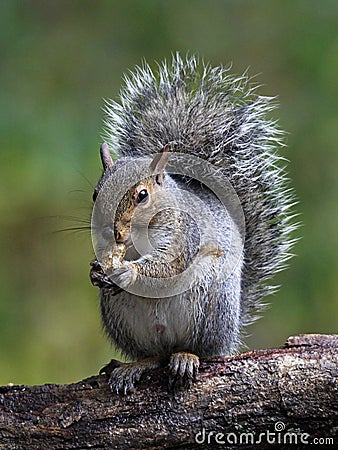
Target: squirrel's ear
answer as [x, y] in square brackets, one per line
[159, 163]
[106, 158]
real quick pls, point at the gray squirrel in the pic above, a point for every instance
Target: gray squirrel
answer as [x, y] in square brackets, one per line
[190, 221]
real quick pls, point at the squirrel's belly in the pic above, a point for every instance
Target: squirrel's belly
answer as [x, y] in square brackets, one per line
[149, 327]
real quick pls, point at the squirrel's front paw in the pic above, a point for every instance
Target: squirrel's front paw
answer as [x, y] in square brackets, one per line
[98, 277]
[124, 276]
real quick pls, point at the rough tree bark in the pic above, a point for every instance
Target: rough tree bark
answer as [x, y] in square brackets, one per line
[282, 395]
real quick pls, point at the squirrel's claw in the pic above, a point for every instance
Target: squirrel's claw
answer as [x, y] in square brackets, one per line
[119, 381]
[100, 279]
[122, 379]
[183, 369]
[123, 376]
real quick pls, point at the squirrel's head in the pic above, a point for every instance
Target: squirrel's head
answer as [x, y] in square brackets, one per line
[119, 206]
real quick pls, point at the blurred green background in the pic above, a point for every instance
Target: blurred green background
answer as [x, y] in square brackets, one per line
[59, 59]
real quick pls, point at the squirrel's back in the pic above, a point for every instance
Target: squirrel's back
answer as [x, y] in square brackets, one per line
[205, 112]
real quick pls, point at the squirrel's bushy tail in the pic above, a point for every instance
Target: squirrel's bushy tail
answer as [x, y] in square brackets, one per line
[208, 113]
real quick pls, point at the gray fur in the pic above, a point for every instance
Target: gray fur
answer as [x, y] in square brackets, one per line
[205, 112]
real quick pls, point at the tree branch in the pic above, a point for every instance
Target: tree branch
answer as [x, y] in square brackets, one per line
[283, 393]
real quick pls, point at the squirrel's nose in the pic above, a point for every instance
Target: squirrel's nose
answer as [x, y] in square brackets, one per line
[117, 234]
[109, 231]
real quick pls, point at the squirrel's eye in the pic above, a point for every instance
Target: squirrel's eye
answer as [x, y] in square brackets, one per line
[142, 196]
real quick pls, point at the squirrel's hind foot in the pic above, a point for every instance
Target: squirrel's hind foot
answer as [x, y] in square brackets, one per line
[108, 368]
[124, 376]
[183, 370]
